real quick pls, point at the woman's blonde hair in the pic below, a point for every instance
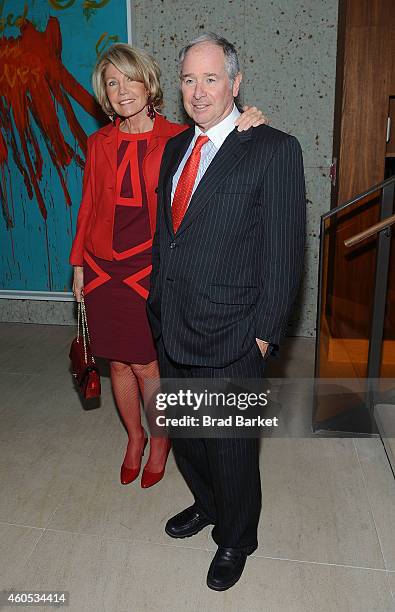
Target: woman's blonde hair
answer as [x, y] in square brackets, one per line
[134, 63]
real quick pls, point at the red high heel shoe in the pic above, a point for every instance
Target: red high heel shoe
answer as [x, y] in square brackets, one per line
[149, 479]
[130, 474]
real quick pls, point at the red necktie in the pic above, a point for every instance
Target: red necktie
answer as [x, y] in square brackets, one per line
[185, 183]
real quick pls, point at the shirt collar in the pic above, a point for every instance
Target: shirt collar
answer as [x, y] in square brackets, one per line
[218, 133]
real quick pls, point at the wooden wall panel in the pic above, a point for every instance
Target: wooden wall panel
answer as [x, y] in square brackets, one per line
[364, 116]
[366, 73]
[368, 82]
[368, 13]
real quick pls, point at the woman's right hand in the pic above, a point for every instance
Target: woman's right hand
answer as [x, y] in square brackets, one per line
[78, 282]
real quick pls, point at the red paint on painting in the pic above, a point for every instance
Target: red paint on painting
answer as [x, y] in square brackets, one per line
[33, 83]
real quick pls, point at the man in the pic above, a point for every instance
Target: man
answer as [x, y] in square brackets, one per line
[227, 259]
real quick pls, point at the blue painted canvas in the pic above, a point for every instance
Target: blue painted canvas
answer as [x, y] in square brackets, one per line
[48, 49]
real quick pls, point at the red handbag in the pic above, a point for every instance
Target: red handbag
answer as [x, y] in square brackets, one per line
[83, 365]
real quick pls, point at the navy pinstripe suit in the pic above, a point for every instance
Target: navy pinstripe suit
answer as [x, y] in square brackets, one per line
[228, 276]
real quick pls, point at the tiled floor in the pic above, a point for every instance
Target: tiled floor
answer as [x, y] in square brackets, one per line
[327, 530]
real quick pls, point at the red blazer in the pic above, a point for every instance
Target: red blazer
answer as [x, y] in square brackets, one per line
[95, 221]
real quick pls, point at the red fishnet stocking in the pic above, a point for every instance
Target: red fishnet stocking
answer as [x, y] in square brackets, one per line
[126, 392]
[128, 383]
[158, 446]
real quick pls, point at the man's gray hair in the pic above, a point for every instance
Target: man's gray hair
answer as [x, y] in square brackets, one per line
[232, 66]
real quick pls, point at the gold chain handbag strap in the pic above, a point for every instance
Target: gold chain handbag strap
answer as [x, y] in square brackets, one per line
[85, 331]
[78, 321]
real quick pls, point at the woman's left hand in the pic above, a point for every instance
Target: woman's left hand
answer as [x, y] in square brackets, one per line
[251, 117]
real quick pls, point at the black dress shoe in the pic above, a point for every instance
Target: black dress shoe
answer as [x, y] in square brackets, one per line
[226, 568]
[186, 523]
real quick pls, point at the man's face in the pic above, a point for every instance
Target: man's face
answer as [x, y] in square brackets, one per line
[206, 90]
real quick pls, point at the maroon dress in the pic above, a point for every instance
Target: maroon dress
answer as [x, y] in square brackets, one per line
[116, 291]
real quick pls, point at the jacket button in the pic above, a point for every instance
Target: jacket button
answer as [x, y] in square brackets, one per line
[172, 245]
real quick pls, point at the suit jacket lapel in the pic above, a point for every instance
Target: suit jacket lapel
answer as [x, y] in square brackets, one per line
[232, 151]
[174, 162]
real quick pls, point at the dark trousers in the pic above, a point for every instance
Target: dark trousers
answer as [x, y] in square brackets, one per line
[222, 473]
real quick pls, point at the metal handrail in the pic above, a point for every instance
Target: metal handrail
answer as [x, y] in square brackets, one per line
[370, 231]
[387, 189]
[361, 196]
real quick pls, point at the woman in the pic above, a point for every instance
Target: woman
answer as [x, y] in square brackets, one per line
[111, 251]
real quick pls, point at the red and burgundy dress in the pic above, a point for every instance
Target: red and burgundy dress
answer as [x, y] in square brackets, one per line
[116, 291]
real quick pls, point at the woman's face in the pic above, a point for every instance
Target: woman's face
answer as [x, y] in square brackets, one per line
[128, 98]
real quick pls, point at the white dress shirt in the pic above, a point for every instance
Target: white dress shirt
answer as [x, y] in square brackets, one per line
[217, 135]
